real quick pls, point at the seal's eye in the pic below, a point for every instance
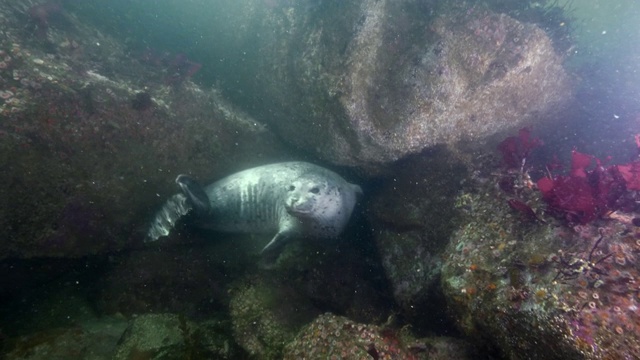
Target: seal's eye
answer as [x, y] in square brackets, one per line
[291, 188]
[315, 190]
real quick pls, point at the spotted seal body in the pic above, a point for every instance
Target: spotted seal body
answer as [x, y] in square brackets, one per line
[290, 199]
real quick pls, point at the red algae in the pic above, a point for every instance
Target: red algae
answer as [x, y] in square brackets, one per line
[589, 190]
[581, 299]
[516, 149]
[630, 173]
[586, 194]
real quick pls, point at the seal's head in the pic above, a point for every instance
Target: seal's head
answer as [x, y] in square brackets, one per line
[322, 203]
[306, 195]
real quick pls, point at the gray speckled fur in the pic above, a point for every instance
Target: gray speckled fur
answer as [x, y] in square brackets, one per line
[292, 199]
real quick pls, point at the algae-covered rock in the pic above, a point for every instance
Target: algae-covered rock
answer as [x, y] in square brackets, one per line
[266, 315]
[539, 287]
[168, 336]
[156, 336]
[96, 339]
[91, 138]
[364, 83]
[443, 348]
[331, 336]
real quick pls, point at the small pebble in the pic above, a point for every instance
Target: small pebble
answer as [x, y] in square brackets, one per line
[38, 61]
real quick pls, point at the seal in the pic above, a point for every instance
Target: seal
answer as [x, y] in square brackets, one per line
[293, 199]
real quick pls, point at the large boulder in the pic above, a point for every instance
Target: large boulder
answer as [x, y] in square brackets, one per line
[91, 139]
[364, 83]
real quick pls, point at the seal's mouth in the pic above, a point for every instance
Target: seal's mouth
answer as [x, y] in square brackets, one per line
[298, 210]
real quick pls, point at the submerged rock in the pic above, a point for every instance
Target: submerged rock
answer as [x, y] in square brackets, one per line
[168, 336]
[412, 216]
[539, 287]
[186, 280]
[364, 83]
[266, 315]
[91, 340]
[335, 337]
[330, 336]
[83, 169]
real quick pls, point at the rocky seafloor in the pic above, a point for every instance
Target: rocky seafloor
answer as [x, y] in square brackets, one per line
[451, 253]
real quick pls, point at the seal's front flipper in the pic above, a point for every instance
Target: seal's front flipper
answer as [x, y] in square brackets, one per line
[276, 244]
[271, 252]
[195, 194]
